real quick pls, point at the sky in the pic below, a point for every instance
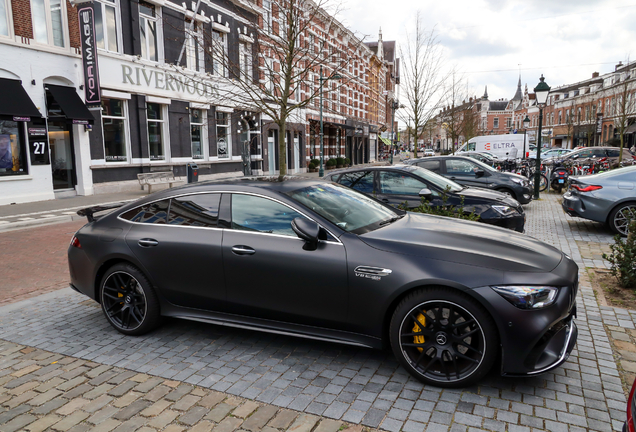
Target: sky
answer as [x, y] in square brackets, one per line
[492, 42]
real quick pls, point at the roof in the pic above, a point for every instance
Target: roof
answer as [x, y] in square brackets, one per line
[387, 46]
[498, 105]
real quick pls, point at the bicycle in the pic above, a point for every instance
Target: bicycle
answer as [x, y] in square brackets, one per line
[528, 170]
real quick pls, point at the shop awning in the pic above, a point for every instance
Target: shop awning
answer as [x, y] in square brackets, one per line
[385, 140]
[71, 104]
[15, 101]
[631, 129]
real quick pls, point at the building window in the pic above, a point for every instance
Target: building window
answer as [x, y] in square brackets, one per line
[267, 16]
[245, 53]
[48, 21]
[106, 22]
[508, 122]
[114, 123]
[156, 131]
[197, 132]
[223, 135]
[12, 153]
[219, 53]
[5, 26]
[150, 25]
[194, 47]
[495, 123]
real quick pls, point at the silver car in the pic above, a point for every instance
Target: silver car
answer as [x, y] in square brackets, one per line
[608, 197]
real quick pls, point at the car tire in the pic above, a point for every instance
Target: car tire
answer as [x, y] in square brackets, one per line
[128, 300]
[508, 192]
[619, 217]
[428, 338]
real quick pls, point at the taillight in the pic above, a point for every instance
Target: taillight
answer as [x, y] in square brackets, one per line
[589, 188]
[75, 242]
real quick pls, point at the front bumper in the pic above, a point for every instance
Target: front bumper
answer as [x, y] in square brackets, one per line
[524, 194]
[515, 223]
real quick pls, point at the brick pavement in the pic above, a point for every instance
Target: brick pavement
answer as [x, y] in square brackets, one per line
[34, 260]
[344, 383]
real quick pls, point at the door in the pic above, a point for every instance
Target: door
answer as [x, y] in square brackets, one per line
[296, 152]
[271, 152]
[396, 188]
[269, 273]
[464, 172]
[62, 155]
[179, 245]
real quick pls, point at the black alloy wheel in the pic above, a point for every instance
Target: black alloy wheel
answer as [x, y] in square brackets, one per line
[621, 216]
[128, 301]
[443, 338]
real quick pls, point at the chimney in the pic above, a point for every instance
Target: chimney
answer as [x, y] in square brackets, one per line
[594, 74]
[620, 63]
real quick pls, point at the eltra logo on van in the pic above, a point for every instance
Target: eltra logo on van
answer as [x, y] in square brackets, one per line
[487, 146]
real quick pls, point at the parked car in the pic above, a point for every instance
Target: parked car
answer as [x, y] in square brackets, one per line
[307, 257]
[630, 423]
[429, 152]
[481, 157]
[552, 153]
[505, 146]
[470, 172]
[596, 153]
[608, 197]
[399, 184]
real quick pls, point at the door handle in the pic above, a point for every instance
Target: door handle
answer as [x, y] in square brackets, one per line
[243, 250]
[386, 200]
[146, 242]
[452, 178]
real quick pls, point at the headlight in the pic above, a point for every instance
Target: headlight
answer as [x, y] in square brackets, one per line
[517, 180]
[528, 297]
[504, 210]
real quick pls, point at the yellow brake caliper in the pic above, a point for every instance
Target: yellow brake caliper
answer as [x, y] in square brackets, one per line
[416, 329]
[120, 295]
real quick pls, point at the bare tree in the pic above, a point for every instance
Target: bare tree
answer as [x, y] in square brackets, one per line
[423, 77]
[278, 71]
[458, 115]
[625, 100]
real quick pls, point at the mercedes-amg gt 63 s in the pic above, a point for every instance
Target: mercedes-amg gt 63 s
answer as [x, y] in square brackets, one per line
[307, 257]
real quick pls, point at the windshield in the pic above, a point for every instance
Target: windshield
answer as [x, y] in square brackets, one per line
[349, 209]
[436, 179]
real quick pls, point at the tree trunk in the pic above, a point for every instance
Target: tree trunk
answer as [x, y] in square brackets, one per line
[282, 147]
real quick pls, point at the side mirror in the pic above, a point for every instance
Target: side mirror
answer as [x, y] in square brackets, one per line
[306, 230]
[480, 173]
[426, 194]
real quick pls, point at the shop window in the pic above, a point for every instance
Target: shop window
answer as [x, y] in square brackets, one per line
[150, 26]
[48, 20]
[12, 153]
[114, 123]
[156, 131]
[219, 53]
[223, 135]
[5, 15]
[197, 132]
[107, 24]
[200, 210]
[194, 47]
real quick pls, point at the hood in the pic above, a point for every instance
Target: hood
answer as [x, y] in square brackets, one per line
[508, 174]
[465, 242]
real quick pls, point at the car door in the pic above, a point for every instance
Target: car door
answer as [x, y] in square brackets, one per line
[396, 188]
[272, 275]
[178, 242]
[464, 172]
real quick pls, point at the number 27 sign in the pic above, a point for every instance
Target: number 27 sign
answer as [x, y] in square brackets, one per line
[38, 146]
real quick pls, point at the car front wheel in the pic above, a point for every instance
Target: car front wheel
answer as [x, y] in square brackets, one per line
[621, 216]
[128, 300]
[443, 337]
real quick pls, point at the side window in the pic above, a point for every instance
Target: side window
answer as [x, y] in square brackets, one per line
[200, 210]
[585, 154]
[399, 184]
[471, 146]
[153, 213]
[459, 167]
[610, 153]
[431, 165]
[252, 213]
[361, 181]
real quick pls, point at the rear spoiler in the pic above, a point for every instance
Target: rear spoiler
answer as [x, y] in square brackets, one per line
[90, 211]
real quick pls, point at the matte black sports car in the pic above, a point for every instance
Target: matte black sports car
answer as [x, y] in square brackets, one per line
[314, 258]
[400, 184]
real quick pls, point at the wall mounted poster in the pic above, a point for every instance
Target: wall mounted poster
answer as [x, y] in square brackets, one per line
[6, 153]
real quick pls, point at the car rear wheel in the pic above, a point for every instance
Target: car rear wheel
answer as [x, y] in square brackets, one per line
[620, 217]
[443, 337]
[128, 300]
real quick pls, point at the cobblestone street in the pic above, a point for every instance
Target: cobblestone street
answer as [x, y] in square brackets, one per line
[65, 368]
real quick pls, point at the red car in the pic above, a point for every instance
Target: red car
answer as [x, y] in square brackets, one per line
[630, 424]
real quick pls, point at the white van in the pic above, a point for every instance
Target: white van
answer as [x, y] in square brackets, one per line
[508, 146]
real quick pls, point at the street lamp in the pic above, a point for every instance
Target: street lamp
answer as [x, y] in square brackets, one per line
[526, 123]
[541, 93]
[321, 171]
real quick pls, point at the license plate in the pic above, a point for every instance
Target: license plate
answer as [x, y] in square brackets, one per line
[561, 181]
